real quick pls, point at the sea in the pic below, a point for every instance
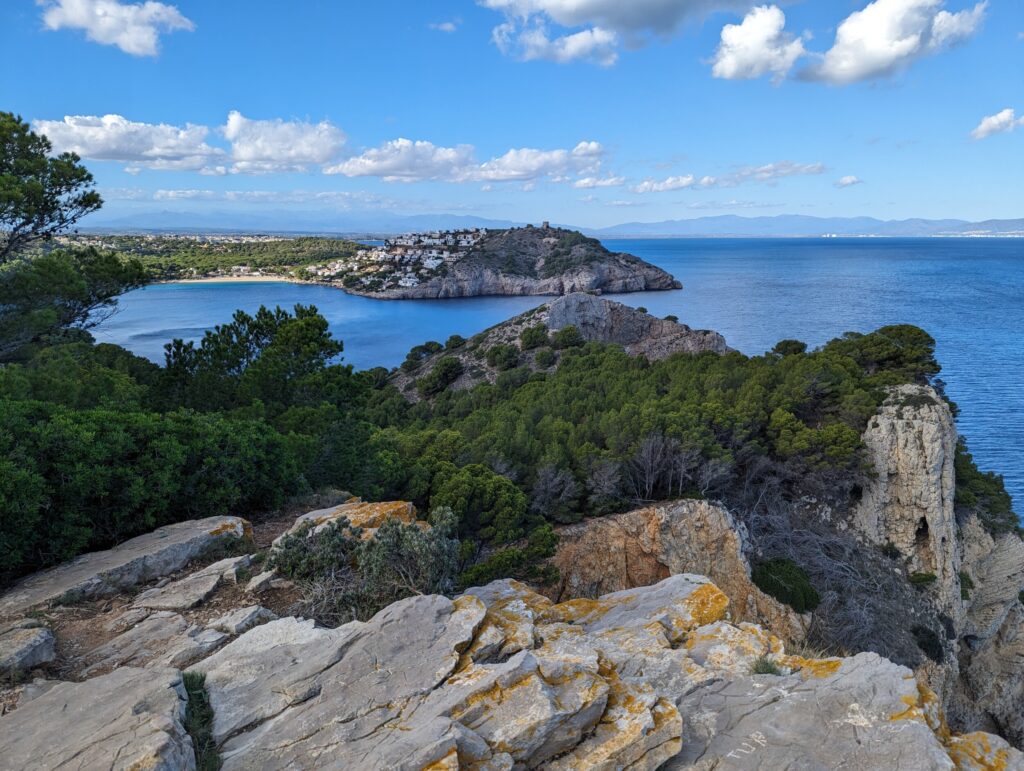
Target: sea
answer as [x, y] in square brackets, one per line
[968, 293]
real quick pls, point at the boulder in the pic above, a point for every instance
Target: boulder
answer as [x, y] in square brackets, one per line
[162, 639]
[260, 582]
[164, 551]
[128, 719]
[368, 516]
[194, 588]
[242, 620]
[644, 546]
[26, 648]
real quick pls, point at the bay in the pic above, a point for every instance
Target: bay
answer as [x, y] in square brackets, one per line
[968, 293]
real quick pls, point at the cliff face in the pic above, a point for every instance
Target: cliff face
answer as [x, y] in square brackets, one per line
[644, 546]
[536, 261]
[978, 577]
[598, 320]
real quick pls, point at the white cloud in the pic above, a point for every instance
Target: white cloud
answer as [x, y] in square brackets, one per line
[445, 26]
[403, 160]
[888, 35]
[1000, 123]
[587, 183]
[133, 27]
[596, 45]
[140, 145]
[263, 146]
[606, 24]
[757, 46]
[768, 173]
[849, 181]
[526, 163]
[664, 185]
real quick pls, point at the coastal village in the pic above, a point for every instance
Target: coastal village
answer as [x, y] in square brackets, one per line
[402, 261]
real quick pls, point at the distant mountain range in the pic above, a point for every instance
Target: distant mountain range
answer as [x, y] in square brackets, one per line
[378, 222]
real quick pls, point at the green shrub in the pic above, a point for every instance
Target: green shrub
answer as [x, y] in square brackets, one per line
[444, 373]
[641, 309]
[567, 337]
[199, 721]
[533, 337]
[672, 317]
[455, 341]
[922, 579]
[929, 642]
[891, 551]
[787, 582]
[522, 562]
[966, 584]
[503, 356]
[545, 358]
[763, 665]
[306, 556]
[983, 493]
[789, 348]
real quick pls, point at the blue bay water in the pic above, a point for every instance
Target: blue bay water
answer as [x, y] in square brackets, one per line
[968, 293]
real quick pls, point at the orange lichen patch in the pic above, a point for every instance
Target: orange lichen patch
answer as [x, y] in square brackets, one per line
[373, 515]
[974, 752]
[449, 762]
[810, 667]
[574, 611]
[232, 527]
[913, 710]
[706, 604]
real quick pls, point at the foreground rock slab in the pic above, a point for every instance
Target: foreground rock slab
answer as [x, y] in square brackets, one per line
[25, 649]
[103, 573]
[502, 678]
[129, 719]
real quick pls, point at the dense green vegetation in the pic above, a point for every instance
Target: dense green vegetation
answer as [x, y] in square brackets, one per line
[170, 257]
[98, 445]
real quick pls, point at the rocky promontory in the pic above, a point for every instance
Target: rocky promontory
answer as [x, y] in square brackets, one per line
[534, 336]
[531, 261]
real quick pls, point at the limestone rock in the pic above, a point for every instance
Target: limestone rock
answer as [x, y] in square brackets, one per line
[97, 574]
[867, 714]
[911, 443]
[162, 639]
[644, 546]
[128, 719]
[260, 582]
[641, 334]
[242, 620]
[26, 648]
[193, 589]
[368, 516]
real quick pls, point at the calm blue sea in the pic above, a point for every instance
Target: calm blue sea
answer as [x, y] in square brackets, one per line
[968, 293]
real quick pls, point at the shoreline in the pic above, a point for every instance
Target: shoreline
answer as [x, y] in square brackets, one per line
[234, 280]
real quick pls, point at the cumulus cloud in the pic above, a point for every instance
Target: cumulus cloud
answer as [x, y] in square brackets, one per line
[139, 145]
[403, 160]
[587, 183]
[888, 35]
[133, 27]
[1000, 123]
[768, 173]
[849, 181]
[664, 185]
[757, 46]
[606, 24]
[263, 146]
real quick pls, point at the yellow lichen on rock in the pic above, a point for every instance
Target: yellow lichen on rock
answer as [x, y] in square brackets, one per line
[810, 667]
[706, 605]
[449, 762]
[975, 752]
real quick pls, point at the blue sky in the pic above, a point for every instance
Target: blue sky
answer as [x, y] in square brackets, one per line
[590, 112]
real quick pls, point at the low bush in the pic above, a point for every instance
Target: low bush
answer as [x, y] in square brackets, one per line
[545, 358]
[534, 337]
[922, 579]
[567, 337]
[764, 666]
[787, 582]
[966, 584]
[503, 356]
[199, 722]
[444, 373]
